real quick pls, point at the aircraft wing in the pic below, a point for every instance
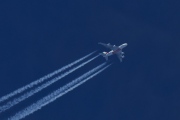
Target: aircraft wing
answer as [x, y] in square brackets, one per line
[119, 55]
[112, 47]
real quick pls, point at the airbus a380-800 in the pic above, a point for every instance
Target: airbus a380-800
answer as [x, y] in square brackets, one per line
[114, 50]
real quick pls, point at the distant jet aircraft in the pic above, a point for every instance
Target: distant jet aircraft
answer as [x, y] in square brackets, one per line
[114, 50]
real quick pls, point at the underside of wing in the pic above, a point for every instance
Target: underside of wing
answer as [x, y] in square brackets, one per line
[108, 46]
[119, 55]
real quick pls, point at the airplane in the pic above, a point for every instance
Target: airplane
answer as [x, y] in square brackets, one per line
[114, 50]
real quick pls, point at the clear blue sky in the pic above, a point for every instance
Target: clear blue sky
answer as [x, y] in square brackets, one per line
[39, 36]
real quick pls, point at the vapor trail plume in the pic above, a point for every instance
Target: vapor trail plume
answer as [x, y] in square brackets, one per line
[10, 104]
[3, 98]
[58, 93]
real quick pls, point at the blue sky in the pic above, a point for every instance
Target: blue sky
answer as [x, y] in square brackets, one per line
[40, 36]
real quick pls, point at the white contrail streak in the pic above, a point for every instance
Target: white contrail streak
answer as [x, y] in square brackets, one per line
[3, 98]
[58, 93]
[10, 104]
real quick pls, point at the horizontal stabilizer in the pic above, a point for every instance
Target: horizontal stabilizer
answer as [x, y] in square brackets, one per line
[104, 55]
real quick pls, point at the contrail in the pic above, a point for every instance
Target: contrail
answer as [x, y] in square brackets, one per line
[58, 93]
[10, 104]
[3, 98]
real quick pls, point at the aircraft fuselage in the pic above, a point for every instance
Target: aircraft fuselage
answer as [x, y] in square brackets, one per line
[113, 52]
[116, 50]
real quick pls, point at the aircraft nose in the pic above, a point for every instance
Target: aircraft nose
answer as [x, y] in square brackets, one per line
[125, 44]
